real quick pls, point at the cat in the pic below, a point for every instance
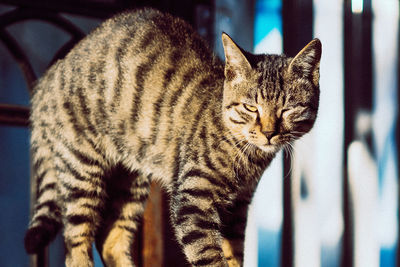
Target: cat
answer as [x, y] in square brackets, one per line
[143, 94]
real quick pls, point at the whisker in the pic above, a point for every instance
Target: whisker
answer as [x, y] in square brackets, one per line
[290, 150]
[240, 155]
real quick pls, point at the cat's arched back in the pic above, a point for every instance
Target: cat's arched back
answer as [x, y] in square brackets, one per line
[143, 92]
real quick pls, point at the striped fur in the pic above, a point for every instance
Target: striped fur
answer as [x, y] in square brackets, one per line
[143, 98]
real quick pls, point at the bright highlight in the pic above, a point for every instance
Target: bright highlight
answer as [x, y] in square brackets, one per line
[357, 6]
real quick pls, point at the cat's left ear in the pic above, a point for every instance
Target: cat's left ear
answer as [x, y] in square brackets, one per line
[236, 63]
[306, 63]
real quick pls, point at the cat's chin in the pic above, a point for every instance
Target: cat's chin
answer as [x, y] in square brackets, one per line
[270, 149]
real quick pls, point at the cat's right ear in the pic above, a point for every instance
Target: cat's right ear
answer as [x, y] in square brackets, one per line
[306, 63]
[236, 63]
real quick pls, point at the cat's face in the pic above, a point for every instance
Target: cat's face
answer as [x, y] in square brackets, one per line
[270, 100]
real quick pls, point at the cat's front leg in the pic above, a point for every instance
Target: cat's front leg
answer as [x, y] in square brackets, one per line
[234, 221]
[230, 249]
[197, 223]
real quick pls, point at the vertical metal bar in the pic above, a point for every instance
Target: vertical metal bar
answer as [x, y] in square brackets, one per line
[358, 96]
[287, 244]
[398, 143]
[40, 259]
[297, 22]
[347, 245]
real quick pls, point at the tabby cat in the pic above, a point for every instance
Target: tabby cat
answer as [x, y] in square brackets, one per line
[143, 94]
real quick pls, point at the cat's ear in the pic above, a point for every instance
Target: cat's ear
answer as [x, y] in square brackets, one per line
[236, 63]
[306, 63]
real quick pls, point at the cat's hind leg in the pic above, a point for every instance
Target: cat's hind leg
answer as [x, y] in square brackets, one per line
[128, 193]
[83, 194]
[46, 219]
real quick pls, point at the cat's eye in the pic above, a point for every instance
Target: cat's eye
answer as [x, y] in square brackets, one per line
[250, 108]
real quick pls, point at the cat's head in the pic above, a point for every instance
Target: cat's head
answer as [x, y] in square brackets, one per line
[270, 100]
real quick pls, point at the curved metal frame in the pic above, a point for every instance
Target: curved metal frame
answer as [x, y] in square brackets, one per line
[23, 14]
[18, 115]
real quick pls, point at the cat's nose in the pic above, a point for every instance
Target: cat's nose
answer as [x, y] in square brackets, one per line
[269, 134]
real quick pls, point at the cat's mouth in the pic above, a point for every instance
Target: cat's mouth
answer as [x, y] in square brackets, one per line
[267, 145]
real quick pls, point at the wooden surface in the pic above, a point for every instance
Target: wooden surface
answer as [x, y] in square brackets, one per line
[152, 230]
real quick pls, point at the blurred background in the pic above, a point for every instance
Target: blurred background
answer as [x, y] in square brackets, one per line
[331, 201]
